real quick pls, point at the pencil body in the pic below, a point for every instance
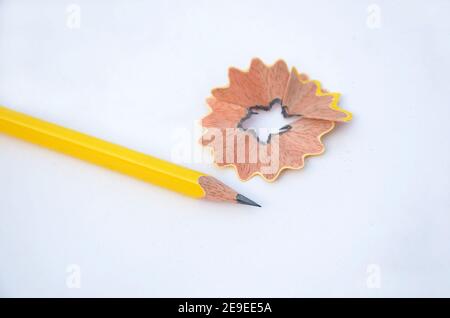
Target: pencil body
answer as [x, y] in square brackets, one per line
[103, 153]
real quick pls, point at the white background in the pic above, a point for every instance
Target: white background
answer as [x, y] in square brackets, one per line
[373, 211]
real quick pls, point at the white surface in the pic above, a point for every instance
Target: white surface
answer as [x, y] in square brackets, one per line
[136, 71]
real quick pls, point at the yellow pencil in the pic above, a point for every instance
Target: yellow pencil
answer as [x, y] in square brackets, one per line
[118, 158]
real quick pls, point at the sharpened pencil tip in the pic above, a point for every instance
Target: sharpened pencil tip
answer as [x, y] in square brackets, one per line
[244, 200]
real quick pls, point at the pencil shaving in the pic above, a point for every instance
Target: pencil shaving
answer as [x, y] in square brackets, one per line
[316, 111]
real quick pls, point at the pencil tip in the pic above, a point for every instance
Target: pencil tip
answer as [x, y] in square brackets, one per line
[244, 200]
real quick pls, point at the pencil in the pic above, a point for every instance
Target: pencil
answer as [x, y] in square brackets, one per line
[135, 164]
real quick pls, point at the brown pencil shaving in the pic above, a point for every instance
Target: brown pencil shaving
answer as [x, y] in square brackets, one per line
[260, 88]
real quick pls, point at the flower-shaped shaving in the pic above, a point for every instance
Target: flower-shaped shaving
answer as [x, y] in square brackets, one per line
[260, 88]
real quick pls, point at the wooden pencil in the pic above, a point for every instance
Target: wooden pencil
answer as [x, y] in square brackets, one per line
[118, 158]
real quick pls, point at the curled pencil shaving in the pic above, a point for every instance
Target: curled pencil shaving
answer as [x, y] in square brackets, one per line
[261, 87]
